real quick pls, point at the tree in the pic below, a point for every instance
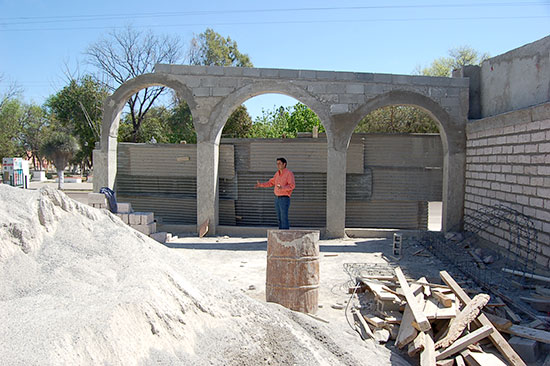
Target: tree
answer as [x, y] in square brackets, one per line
[302, 119]
[397, 119]
[78, 107]
[10, 113]
[210, 48]
[460, 56]
[238, 124]
[123, 55]
[11, 93]
[59, 147]
[33, 126]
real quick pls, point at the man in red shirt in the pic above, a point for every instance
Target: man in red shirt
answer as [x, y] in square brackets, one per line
[284, 184]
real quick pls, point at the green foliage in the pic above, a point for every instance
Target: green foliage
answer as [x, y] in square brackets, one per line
[397, 119]
[302, 119]
[59, 147]
[33, 128]
[285, 122]
[238, 124]
[458, 57]
[211, 48]
[78, 107]
[10, 114]
[181, 125]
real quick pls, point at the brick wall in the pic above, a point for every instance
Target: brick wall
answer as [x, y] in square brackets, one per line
[508, 163]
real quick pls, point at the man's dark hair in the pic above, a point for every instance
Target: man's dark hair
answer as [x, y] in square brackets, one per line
[282, 160]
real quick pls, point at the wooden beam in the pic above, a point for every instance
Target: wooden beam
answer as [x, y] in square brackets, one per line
[419, 317]
[406, 331]
[364, 329]
[498, 322]
[481, 359]
[463, 319]
[465, 341]
[529, 333]
[427, 356]
[417, 345]
[459, 360]
[498, 340]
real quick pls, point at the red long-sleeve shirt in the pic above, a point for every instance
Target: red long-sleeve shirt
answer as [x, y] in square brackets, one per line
[285, 178]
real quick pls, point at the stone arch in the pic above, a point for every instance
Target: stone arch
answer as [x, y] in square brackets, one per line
[224, 108]
[112, 110]
[453, 139]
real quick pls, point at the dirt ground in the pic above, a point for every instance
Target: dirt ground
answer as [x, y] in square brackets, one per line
[242, 262]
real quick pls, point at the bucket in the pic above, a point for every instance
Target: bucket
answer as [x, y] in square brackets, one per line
[292, 274]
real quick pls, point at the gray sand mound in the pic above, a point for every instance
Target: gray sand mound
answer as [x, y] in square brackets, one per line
[79, 287]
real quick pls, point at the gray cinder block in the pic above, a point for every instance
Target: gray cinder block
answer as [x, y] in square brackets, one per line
[527, 349]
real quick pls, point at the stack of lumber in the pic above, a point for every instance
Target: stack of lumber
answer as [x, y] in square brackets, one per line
[439, 324]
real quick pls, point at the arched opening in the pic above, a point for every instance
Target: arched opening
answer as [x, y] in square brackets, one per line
[291, 130]
[152, 161]
[401, 185]
[452, 146]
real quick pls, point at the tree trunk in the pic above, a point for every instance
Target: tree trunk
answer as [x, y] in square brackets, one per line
[60, 178]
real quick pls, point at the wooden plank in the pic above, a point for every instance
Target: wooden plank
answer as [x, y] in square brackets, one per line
[463, 319]
[362, 326]
[406, 331]
[515, 317]
[540, 304]
[498, 322]
[419, 317]
[417, 344]
[425, 285]
[427, 356]
[380, 292]
[465, 341]
[529, 333]
[447, 362]
[444, 299]
[459, 360]
[374, 320]
[481, 359]
[430, 309]
[497, 338]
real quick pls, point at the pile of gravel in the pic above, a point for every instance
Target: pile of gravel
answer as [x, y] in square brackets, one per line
[79, 287]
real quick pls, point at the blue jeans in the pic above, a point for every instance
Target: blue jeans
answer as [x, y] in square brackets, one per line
[282, 203]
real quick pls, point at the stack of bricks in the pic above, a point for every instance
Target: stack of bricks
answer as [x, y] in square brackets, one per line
[144, 222]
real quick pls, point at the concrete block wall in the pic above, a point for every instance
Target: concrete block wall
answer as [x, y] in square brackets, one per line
[508, 163]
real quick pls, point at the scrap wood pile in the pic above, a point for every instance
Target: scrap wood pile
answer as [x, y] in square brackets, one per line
[439, 324]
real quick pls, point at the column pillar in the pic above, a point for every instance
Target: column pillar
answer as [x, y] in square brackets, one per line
[207, 184]
[336, 193]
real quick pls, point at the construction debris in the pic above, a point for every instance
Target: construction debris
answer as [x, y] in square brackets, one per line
[439, 324]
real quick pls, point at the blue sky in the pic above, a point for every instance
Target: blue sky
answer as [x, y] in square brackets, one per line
[39, 40]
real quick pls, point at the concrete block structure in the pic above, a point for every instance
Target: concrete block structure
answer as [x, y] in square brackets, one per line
[508, 146]
[494, 123]
[340, 100]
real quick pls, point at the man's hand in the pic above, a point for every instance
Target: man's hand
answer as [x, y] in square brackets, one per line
[257, 184]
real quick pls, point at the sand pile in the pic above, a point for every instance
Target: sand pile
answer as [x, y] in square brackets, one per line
[79, 287]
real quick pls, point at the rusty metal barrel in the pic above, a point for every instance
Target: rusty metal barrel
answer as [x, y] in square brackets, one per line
[292, 274]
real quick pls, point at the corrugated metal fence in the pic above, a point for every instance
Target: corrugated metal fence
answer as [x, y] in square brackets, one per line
[390, 179]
